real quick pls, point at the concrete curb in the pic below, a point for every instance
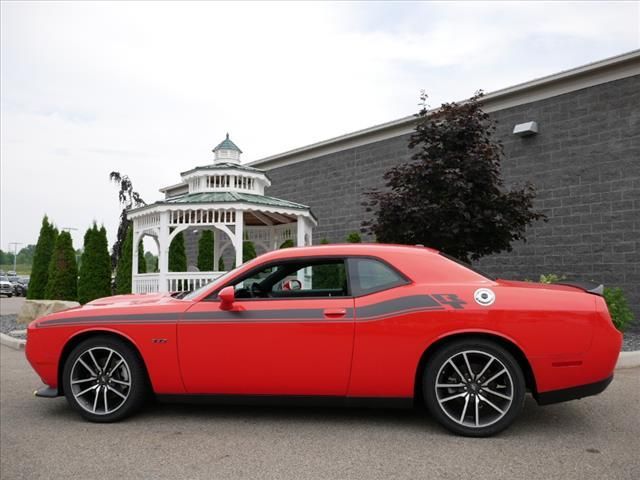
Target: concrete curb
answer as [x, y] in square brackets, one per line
[628, 360]
[9, 341]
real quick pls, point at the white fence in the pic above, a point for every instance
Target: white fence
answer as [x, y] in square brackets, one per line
[176, 281]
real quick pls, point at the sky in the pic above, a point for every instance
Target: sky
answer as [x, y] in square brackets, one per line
[148, 89]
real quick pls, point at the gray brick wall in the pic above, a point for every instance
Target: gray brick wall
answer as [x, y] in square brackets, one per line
[584, 162]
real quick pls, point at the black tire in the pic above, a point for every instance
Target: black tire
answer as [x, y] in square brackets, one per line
[136, 375]
[445, 404]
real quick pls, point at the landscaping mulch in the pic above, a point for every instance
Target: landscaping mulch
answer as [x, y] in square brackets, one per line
[9, 323]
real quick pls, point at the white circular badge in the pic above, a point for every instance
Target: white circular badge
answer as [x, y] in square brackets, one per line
[484, 297]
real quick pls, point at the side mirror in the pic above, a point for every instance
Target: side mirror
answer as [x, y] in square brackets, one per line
[292, 284]
[227, 296]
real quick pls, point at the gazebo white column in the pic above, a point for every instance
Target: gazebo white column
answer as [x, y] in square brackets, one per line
[134, 260]
[239, 236]
[163, 252]
[303, 237]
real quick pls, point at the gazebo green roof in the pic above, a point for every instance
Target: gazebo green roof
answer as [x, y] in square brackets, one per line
[235, 197]
[229, 197]
[227, 144]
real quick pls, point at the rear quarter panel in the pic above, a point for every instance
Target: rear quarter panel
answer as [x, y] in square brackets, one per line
[547, 326]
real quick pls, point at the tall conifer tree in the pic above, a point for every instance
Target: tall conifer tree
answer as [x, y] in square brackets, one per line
[41, 260]
[205, 251]
[62, 283]
[95, 266]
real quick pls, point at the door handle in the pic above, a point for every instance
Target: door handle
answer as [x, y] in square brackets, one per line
[335, 312]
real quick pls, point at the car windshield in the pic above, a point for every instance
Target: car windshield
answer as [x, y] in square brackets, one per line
[467, 265]
[195, 293]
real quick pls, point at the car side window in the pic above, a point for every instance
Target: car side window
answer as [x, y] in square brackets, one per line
[303, 279]
[369, 275]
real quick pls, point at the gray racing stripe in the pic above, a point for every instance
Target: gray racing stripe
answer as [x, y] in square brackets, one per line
[368, 313]
[397, 305]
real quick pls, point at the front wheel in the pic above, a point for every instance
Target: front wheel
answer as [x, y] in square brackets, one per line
[104, 379]
[474, 388]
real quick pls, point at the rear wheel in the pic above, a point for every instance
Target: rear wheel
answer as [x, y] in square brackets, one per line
[474, 387]
[104, 379]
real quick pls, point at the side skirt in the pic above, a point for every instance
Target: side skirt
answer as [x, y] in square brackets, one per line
[289, 400]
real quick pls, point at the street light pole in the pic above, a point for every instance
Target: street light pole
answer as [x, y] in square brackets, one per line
[15, 253]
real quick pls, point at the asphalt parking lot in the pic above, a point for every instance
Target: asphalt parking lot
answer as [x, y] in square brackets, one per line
[595, 438]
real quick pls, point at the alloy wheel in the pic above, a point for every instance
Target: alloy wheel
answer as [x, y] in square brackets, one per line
[474, 389]
[100, 380]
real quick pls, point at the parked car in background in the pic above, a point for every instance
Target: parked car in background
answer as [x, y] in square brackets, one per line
[19, 287]
[6, 287]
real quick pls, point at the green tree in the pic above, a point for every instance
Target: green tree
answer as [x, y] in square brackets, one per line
[142, 261]
[124, 266]
[221, 266]
[62, 283]
[41, 260]
[177, 254]
[354, 237]
[152, 262]
[95, 266]
[25, 255]
[248, 251]
[128, 199]
[205, 251]
[287, 244]
[451, 196]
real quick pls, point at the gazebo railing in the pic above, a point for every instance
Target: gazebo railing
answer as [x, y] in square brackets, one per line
[146, 283]
[176, 281]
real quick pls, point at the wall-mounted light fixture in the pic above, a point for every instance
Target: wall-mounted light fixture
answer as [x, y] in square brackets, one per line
[525, 129]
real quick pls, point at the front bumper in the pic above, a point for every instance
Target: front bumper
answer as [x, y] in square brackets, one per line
[573, 393]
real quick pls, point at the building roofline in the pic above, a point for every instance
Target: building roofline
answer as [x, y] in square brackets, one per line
[566, 81]
[173, 187]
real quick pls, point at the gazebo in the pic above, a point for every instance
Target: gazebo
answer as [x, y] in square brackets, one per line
[228, 198]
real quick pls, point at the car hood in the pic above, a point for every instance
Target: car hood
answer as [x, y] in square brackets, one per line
[132, 300]
[119, 305]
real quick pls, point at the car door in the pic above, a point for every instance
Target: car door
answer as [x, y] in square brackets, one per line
[294, 339]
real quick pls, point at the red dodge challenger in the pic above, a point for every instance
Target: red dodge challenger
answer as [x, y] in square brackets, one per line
[337, 324]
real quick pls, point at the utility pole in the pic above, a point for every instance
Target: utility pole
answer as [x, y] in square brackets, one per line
[15, 253]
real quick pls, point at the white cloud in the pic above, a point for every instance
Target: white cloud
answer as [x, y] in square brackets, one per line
[148, 88]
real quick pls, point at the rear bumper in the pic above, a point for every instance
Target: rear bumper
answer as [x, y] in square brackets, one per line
[573, 393]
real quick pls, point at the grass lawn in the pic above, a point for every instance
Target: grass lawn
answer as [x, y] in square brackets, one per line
[21, 268]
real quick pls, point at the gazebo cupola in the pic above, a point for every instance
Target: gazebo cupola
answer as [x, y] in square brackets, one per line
[227, 151]
[226, 197]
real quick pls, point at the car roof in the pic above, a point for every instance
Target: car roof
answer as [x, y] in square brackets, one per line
[346, 249]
